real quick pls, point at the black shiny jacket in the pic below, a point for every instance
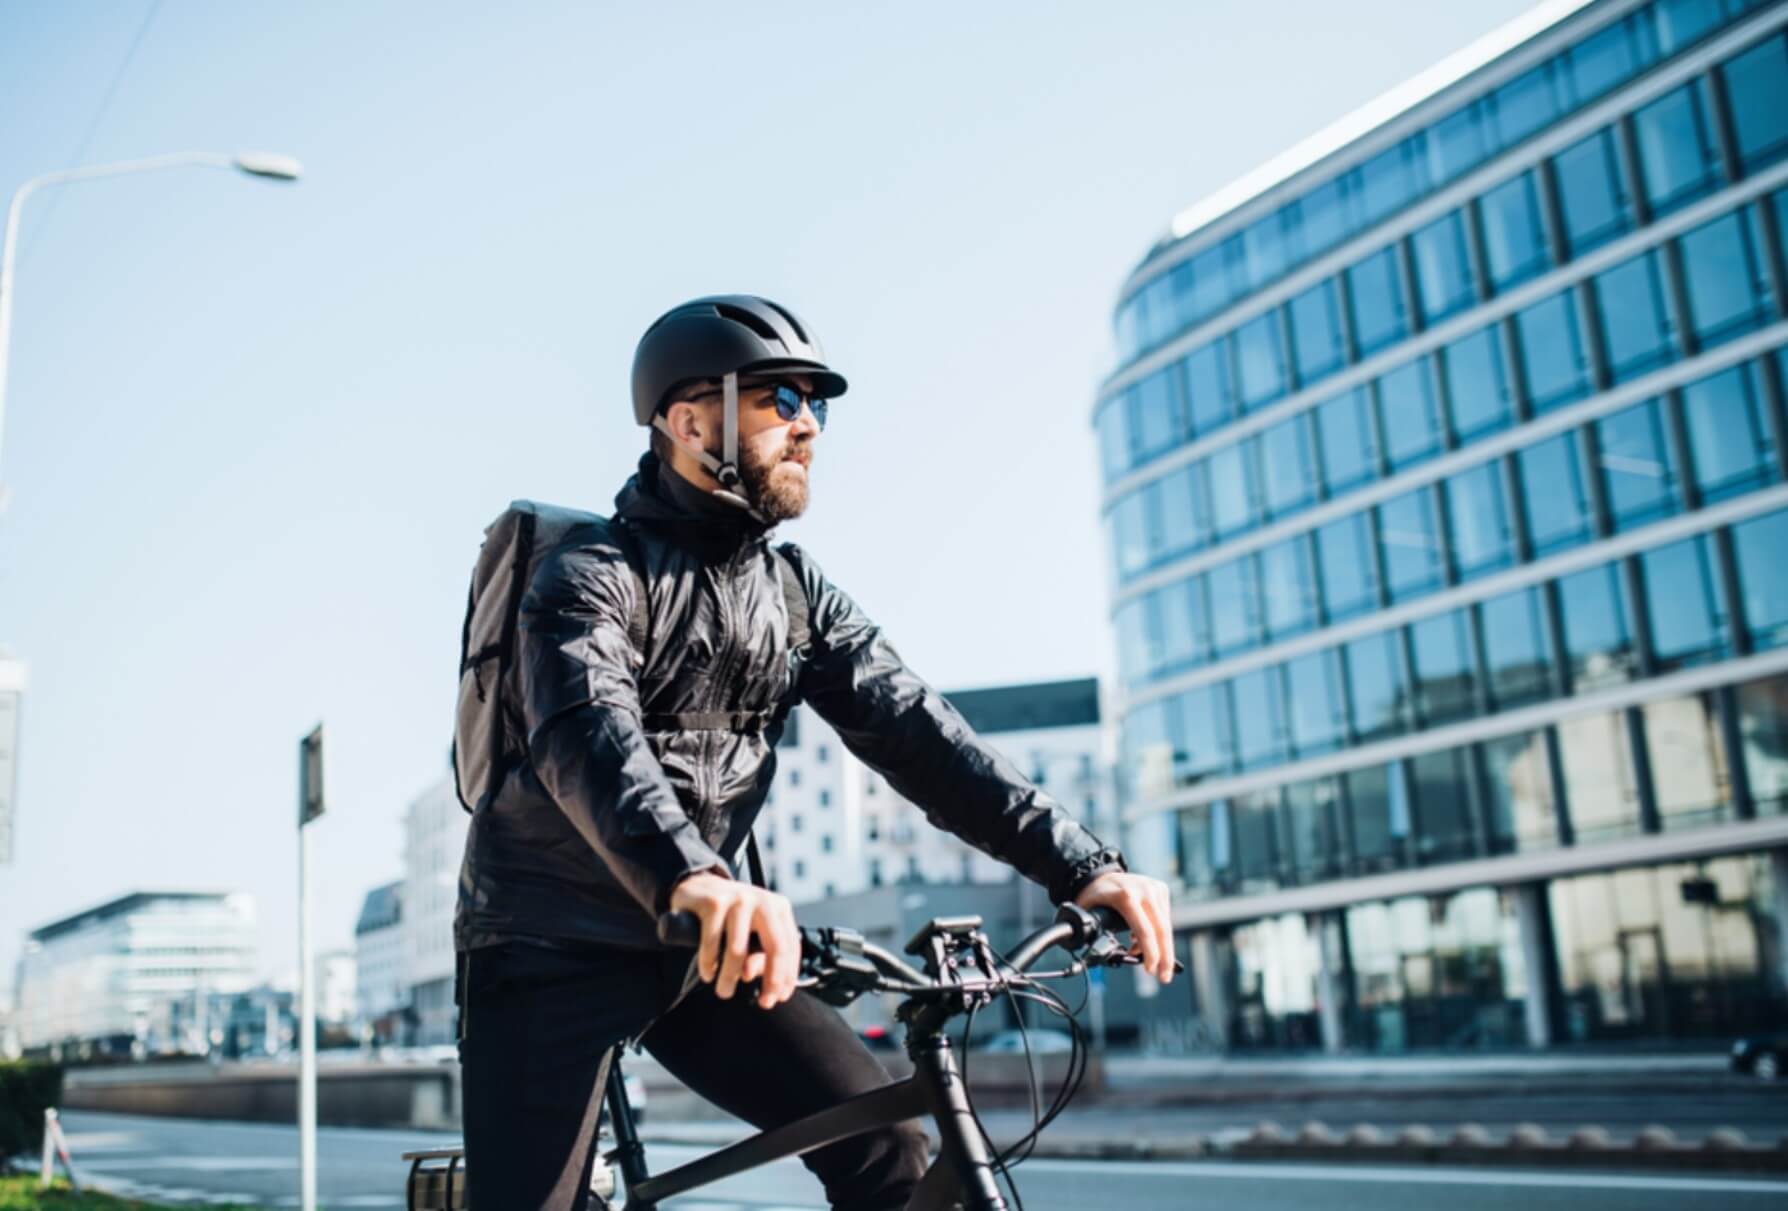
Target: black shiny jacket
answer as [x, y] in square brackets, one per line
[585, 839]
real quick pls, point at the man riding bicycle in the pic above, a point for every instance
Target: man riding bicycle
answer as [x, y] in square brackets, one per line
[652, 673]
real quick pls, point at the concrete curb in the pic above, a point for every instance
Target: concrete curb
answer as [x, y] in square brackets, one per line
[1526, 1145]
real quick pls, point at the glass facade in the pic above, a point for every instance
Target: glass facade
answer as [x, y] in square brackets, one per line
[1424, 537]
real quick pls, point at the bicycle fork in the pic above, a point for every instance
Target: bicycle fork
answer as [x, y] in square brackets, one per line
[967, 1173]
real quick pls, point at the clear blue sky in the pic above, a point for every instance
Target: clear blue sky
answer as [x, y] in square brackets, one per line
[254, 432]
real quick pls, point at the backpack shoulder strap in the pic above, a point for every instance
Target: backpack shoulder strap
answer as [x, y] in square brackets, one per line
[639, 623]
[794, 596]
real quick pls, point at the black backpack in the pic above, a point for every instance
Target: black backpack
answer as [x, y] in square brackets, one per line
[489, 738]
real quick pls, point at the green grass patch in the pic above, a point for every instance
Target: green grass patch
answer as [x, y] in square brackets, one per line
[20, 1193]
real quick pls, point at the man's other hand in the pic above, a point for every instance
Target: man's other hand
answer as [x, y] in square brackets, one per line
[732, 913]
[1142, 902]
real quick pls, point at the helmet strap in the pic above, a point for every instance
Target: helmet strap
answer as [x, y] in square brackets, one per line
[724, 470]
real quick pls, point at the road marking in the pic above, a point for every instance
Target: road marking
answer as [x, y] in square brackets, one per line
[1412, 1174]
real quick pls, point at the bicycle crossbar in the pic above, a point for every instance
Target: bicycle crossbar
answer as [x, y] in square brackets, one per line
[890, 1104]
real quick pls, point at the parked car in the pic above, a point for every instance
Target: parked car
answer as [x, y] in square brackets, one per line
[1043, 1042]
[1764, 1056]
[878, 1038]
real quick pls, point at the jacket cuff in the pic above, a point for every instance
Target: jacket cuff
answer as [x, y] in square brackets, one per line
[1075, 879]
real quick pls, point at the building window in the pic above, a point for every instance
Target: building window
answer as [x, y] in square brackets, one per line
[875, 872]
[1477, 387]
[1263, 249]
[1595, 204]
[1518, 785]
[1689, 780]
[1456, 142]
[1409, 417]
[1683, 22]
[1554, 496]
[1288, 480]
[1349, 576]
[1763, 733]
[1517, 656]
[821, 754]
[1259, 361]
[1390, 180]
[794, 777]
[1601, 787]
[1598, 633]
[1604, 60]
[794, 822]
[1677, 159]
[1445, 673]
[1554, 371]
[1377, 693]
[1154, 415]
[1129, 525]
[800, 869]
[1316, 337]
[1682, 605]
[1114, 437]
[1349, 447]
[1442, 268]
[1515, 247]
[1729, 444]
[1526, 103]
[1183, 516]
[1638, 474]
[1757, 83]
[1313, 703]
[1235, 497]
[1200, 734]
[1310, 829]
[1757, 546]
[1378, 812]
[1478, 518]
[1376, 297]
[825, 798]
[1723, 277]
[1259, 726]
[1636, 332]
[1208, 388]
[1288, 597]
[1234, 602]
[1444, 828]
[825, 843]
[1179, 634]
[1410, 544]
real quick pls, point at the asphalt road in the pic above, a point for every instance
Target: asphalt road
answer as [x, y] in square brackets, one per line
[175, 1160]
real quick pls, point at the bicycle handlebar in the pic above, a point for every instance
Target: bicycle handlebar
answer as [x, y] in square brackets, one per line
[1074, 927]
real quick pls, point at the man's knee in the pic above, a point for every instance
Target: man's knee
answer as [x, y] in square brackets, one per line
[874, 1170]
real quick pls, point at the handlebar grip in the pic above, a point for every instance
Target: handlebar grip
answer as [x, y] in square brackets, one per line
[1111, 919]
[682, 930]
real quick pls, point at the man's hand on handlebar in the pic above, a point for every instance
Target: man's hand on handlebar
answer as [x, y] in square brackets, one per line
[732, 914]
[1142, 902]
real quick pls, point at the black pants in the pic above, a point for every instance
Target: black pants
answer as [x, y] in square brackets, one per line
[536, 1023]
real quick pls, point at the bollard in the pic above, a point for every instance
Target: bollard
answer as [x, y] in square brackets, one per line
[1315, 1132]
[1527, 1135]
[1588, 1139]
[49, 1145]
[1724, 1139]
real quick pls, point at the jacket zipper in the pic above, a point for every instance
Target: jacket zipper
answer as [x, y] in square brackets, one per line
[733, 626]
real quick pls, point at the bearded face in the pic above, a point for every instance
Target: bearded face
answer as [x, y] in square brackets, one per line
[775, 473]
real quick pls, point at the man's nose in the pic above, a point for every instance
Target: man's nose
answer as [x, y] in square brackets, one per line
[805, 420]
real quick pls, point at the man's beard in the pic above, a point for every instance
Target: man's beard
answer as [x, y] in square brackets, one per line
[778, 497]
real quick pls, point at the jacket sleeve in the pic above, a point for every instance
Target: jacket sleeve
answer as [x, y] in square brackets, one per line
[580, 706]
[908, 733]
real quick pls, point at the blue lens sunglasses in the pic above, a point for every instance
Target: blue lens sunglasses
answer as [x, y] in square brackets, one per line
[787, 399]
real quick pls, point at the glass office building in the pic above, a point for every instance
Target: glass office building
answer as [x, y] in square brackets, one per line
[1446, 493]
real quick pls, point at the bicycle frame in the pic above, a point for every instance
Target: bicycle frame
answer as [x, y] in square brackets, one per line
[962, 1176]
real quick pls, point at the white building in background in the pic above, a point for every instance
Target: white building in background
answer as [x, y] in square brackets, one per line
[335, 979]
[140, 974]
[381, 988]
[833, 827]
[434, 843]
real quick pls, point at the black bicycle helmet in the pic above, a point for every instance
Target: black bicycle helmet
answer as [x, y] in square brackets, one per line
[720, 335]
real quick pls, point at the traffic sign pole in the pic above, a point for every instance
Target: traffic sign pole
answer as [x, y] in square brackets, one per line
[310, 806]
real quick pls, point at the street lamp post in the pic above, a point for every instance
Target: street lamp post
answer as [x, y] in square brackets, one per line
[255, 164]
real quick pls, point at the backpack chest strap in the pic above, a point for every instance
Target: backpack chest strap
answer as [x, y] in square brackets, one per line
[747, 722]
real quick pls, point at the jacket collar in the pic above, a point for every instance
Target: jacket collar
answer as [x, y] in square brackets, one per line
[656, 496]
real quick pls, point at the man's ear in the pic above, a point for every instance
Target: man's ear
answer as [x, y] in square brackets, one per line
[689, 424]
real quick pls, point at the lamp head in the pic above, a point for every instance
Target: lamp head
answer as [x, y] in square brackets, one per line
[270, 165]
